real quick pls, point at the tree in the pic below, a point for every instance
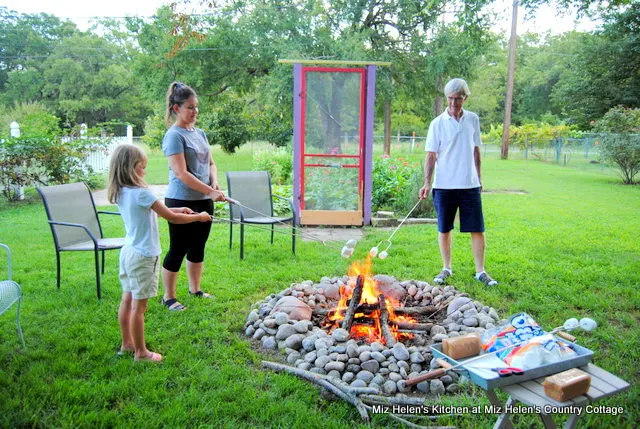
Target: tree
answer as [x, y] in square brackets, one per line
[605, 71]
[621, 141]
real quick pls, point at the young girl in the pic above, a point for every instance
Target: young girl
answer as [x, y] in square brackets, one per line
[139, 263]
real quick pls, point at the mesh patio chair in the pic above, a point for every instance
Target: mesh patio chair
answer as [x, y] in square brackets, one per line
[253, 190]
[75, 224]
[10, 293]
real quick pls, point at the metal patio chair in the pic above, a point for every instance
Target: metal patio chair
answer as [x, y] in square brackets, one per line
[11, 293]
[75, 224]
[252, 189]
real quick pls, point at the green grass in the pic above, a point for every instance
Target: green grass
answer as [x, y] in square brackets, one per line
[567, 247]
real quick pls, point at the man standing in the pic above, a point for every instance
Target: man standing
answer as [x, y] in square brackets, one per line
[453, 152]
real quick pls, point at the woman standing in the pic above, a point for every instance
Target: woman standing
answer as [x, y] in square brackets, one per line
[193, 183]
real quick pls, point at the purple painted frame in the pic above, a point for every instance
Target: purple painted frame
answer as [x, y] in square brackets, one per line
[297, 99]
[368, 146]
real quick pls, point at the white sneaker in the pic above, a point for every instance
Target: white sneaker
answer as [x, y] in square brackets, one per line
[442, 277]
[486, 279]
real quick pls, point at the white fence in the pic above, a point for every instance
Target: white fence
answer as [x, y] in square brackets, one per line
[99, 160]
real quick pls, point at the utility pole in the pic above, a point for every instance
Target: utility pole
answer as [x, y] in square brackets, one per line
[504, 154]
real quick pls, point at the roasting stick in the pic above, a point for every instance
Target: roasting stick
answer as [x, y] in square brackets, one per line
[349, 245]
[382, 255]
[288, 234]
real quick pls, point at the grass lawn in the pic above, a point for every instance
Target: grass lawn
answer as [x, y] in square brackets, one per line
[567, 246]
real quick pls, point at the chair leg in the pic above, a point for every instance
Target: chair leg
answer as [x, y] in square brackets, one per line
[18, 322]
[241, 241]
[293, 238]
[58, 269]
[103, 262]
[272, 233]
[97, 258]
[230, 233]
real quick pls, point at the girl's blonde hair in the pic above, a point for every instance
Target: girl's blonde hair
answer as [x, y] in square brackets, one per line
[122, 170]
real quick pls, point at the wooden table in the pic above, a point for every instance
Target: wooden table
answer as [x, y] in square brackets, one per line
[531, 394]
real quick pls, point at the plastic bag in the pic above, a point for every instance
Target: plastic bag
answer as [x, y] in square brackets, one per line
[523, 344]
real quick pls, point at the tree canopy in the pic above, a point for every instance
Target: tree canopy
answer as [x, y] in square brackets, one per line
[119, 72]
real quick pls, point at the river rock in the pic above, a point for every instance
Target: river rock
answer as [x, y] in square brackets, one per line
[437, 387]
[365, 376]
[269, 343]
[400, 351]
[340, 335]
[371, 366]
[296, 309]
[389, 387]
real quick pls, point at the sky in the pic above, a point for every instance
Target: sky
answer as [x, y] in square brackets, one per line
[80, 11]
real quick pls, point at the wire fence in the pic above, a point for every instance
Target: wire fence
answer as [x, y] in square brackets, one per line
[563, 151]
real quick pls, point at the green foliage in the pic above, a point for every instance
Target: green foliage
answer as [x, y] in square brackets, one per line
[406, 199]
[278, 162]
[34, 121]
[331, 189]
[396, 182]
[226, 126]
[29, 161]
[536, 134]
[154, 129]
[621, 143]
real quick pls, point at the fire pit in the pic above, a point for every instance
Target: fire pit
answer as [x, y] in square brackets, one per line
[367, 331]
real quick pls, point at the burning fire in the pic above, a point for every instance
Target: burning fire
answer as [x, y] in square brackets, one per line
[371, 331]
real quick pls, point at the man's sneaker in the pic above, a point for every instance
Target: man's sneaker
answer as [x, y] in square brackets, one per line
[442, 277]
[486, 279]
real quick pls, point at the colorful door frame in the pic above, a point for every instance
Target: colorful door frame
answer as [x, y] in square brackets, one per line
[367, 155]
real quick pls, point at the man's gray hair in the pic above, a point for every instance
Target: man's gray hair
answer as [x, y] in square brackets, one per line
[457, 86]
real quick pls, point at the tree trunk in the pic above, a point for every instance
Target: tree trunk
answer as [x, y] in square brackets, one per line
[387, 128]
[438, 101]
[504, 154]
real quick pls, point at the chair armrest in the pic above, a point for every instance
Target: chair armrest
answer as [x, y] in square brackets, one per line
[8, 260]
[290, 204]
[110, 213]
[77, 225]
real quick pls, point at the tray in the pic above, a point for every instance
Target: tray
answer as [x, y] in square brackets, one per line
[479, 371]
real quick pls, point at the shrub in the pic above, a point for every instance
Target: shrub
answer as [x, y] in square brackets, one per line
[34, 120]
[154, 129]
[396, 183]
[278, 162]
[621, 144]
[27, 161]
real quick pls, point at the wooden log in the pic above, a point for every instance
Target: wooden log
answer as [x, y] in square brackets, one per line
[389, 339]
[394, 400]
[416, 311]
[412, 331]
[323, 382]
[369, 308]
[353, 305]
[413, 326]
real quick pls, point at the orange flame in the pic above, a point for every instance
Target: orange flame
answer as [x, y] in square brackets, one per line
[370, 294]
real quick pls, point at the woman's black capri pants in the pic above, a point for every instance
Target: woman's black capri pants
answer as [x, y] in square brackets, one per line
[187, 239]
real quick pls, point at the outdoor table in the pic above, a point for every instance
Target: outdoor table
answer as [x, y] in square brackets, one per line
[531, 394]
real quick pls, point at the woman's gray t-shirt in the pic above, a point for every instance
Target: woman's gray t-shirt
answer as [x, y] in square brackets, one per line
[195, 147]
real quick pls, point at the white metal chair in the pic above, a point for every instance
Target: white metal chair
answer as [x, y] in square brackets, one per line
[253, 190]
[11, 293]
[75, 224]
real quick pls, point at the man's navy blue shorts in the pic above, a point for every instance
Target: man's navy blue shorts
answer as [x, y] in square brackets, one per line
[448, 201]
